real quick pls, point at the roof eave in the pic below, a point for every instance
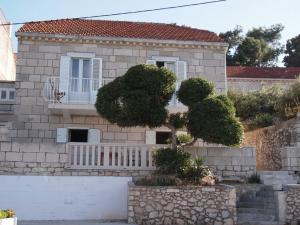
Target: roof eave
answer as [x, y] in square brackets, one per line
[100, 38]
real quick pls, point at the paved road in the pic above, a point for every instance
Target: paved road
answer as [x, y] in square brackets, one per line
[76, 222]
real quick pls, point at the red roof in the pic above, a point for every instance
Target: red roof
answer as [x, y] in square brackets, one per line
[123, 29]
[263, 72]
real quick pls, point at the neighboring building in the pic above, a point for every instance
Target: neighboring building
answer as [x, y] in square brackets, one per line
[61, 64]
[246, 79]
[7, 60]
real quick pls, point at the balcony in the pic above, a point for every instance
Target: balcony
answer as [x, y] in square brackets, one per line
[113, 156]
[78, 100]
[81, 96]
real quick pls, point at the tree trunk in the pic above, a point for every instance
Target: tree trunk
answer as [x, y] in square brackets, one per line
[174, 136]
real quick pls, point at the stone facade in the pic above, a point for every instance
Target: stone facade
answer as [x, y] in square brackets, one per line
[227, 161]
[292, 204]
[39, 59]
[253, 84]
[209, 205]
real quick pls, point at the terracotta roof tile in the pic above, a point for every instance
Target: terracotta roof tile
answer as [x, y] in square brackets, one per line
[124, 29]
[263, 72]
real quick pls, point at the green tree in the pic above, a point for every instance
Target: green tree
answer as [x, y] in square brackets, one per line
[259, 47]
[292, 52]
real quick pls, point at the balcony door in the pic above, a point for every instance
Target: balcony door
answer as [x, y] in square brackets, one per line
[80, 80]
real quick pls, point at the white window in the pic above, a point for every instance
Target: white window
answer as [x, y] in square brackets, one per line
[80, 78]
[175, 65]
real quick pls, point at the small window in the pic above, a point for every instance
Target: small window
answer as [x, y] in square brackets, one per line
[160, 64]
[11, 95]
[78, 135]
[163, 137]
[3, 94]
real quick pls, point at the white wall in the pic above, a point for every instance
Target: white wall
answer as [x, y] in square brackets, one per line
[64, 197]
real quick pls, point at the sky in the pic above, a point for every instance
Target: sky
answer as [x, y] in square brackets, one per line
[218, 17]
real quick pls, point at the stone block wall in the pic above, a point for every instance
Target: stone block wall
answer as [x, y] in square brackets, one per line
[227, 161]
[292, 204]
[291, 158]
[40, 59]
[47, 159]
[182, 205]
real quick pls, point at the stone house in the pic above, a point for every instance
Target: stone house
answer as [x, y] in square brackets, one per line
[243, 78]
[60, 66]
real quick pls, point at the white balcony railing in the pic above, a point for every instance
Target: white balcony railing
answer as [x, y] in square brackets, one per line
[113, 156]
[80, 90]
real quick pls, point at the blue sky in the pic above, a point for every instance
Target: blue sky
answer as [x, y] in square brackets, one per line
[215, 17]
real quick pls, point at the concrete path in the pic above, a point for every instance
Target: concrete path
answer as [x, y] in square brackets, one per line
[68, 222]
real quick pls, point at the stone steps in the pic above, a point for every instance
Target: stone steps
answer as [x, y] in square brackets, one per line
[257, 207]
[276, 178]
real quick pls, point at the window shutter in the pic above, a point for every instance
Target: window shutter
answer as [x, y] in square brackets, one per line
[151, 62]
[94, 136]
[150, 137]
[64, 77]
[61, 135]
[96, 81]
[181, 70]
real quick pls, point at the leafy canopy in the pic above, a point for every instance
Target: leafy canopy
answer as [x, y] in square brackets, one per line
[138, 98]
[292, 52]
[259, 47]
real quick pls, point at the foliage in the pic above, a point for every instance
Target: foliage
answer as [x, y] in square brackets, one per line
[292, 52]
[249, 105]
[8, 213]
[264, 120]
[289, 100]
[138, 98]
[218, 122]
[178, 120]
[171, 161]
[254, 179]
[184, 138]
[259, 47]
[194, 90]
[156, 181]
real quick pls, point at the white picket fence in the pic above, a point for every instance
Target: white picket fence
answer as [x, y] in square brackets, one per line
[113, 156]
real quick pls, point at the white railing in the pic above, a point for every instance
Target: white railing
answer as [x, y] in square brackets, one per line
[80, 90]
[113, 156]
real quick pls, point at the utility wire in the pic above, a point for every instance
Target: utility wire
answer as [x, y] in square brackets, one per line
[123, 13]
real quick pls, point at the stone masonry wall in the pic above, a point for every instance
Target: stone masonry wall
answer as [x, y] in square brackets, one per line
[47, 159]
[182, 205]
[292, 204]
[227, 161]
[268, 143]
[38, 60]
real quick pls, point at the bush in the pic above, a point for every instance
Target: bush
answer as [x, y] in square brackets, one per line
[249, 105]
[171, 161]
[194, 90]
[264, 120]
[213, 120]
[254, 179]
[8, 213]
[138, 98]
[157, 181]
[184, 138]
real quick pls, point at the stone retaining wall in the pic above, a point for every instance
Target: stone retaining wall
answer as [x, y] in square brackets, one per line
[182, 205]
[227, 161]
[292, 204]
[291, 158]
[47, 159]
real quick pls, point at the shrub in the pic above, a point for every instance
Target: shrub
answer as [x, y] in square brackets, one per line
[194, 90]
[171, 161]
[213, 120]
[8, 213]
[249, 105]
[264, 120]
[184, 138]
[156, 181]
[254, 179]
